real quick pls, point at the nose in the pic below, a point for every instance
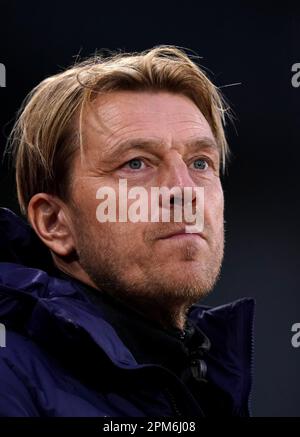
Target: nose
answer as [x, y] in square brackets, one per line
[175, 172]
[176, 175]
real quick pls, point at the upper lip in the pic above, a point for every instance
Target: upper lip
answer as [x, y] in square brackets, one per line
[178, 232]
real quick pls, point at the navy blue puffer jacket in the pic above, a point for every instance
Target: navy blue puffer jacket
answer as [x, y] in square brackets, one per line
[61, 358]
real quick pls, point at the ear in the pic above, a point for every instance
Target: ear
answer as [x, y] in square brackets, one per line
[48, 216]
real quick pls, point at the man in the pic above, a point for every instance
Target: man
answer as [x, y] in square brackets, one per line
[101, 315]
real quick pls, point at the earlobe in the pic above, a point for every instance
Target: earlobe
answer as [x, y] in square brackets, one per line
[48, 217]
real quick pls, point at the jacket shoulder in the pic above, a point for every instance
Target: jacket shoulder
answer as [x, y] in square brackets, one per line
[34, 384]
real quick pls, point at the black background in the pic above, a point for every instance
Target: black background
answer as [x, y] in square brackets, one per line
[249, 43]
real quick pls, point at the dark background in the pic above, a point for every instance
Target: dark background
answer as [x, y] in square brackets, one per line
[253, 44]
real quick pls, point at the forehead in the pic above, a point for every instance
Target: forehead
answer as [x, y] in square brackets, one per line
[163, 116]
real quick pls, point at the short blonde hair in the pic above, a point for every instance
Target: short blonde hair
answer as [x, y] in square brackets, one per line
[45, 136]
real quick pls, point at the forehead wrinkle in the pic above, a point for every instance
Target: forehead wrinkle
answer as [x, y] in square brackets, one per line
[110, 140]
[94, 122]
[103, 119]
[110, 115]
[132, 127]
[201, 123]
[136, 143]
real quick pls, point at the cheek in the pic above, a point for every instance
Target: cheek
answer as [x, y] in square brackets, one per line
[127, 235]
[86, 200]
[84, 192]
[88, 229]
[214, 205]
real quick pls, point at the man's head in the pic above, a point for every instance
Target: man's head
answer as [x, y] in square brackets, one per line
[153, 119]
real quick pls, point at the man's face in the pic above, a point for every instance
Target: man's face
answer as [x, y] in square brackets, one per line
[151, 140]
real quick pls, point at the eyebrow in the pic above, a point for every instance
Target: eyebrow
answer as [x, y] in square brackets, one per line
[148, 144]
[205, 142]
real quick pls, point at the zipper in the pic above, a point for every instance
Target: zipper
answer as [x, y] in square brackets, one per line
[173, 403]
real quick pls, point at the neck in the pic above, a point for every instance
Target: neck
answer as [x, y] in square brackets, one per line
[166, 314]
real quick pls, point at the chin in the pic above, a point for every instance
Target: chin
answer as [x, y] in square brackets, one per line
[194, 277]
[186, 269]
[186, 280]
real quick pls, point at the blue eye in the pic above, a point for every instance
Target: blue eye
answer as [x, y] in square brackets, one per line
[200, 164]
[135, 164]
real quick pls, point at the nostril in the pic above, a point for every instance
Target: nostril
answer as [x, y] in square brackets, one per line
[175, 200]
